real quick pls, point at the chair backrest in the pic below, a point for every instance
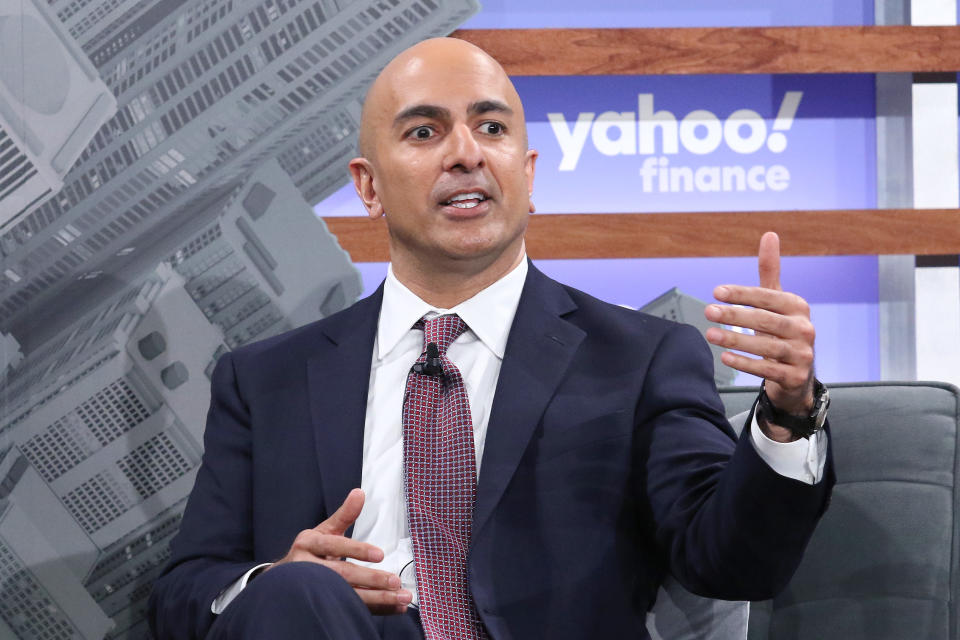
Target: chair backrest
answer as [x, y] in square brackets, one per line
[681, 615]
[883, 563]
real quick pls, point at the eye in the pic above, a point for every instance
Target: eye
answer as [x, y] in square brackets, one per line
[421, 133]
[492, 128]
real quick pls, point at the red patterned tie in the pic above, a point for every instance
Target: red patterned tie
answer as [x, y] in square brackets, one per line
[440, 476]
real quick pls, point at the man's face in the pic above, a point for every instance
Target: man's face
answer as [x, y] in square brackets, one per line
[447, 159]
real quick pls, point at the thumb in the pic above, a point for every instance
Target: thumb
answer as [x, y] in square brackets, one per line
[768, 261]
[345, 516]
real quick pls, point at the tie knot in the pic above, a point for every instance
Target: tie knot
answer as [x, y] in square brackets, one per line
[442, 330]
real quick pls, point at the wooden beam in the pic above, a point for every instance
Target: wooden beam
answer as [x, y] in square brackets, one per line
[668, 235]
[561, 52]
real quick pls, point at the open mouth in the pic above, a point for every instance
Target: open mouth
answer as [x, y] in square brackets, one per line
[466, 200]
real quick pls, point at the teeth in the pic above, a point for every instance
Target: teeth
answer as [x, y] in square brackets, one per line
[467, 196]
[464, 205]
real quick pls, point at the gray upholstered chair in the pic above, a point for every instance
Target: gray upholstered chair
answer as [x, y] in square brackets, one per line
[680, 615]
[883, 564]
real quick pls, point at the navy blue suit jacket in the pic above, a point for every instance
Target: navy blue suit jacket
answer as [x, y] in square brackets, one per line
[608, 460]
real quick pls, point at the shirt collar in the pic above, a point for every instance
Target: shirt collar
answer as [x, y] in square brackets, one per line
[489, 313]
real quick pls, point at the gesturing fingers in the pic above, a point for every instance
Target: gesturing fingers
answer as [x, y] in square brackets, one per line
[763, 321]
[780, 340]
[782, 302]
[364, 577]
[788, 376]
[379, 590]
[345, 516]
[773, 348]
[783, 333]
[321, 545]
[768, 261]
[382, 603]
[325, 544]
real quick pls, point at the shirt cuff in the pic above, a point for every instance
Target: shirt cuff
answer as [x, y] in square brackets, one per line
[227, 595]
[801, 459]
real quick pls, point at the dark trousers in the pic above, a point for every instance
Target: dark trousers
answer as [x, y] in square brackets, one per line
[307, 600]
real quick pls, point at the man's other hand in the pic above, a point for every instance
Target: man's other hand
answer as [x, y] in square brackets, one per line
[782, 336]
[325, 544]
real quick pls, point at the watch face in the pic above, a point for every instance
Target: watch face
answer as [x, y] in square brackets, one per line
[822, 406]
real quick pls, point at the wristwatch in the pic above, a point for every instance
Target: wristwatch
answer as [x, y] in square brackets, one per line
[802, 426]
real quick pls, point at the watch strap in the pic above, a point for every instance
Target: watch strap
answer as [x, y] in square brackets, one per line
[802, 426]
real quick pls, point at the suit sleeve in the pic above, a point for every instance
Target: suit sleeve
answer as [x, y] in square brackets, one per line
[214, 546]
[728, 525]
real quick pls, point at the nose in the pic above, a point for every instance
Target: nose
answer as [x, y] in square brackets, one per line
[463, 151]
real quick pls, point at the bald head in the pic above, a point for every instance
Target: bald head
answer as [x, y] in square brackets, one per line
[444, 162]
[450, 61]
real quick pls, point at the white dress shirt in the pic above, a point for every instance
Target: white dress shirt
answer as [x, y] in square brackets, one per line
[478, 354]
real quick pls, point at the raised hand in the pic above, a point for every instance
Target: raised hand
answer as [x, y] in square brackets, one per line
[783, 335]
[325, 544]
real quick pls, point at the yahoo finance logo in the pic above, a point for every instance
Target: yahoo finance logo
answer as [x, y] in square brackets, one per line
[658, 135]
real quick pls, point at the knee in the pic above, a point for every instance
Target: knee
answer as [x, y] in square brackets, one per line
[295, 600]
[294, 581]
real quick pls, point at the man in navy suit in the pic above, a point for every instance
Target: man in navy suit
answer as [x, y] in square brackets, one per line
[604, 458]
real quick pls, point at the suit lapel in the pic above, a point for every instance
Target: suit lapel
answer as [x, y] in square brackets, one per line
[338, 376]
[538, 353]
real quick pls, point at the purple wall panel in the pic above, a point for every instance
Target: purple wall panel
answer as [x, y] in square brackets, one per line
[510, 14]
[702, 143]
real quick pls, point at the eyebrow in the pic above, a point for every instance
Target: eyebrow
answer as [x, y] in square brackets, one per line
[434, 112]
[430, 111]
[487, 106]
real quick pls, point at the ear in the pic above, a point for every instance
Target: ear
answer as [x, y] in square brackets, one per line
[362, 173]
[529, 168]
